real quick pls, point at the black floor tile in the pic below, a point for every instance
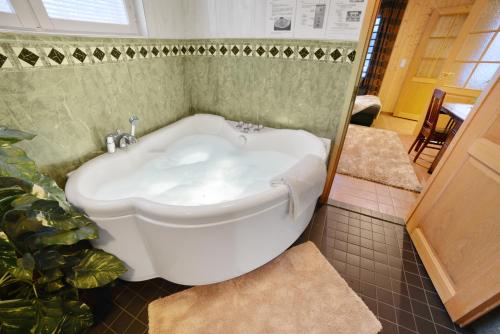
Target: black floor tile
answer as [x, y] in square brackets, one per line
[392, 278]
[405, 319]
[386, 312]
[425, 326]
[402, 302]
[388, 327]
[421, 309]
[375, 257]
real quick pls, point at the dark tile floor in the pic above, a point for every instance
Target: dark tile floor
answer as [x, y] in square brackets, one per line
[375, 257]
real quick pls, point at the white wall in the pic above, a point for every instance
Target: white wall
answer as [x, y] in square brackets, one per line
[164, 18]
[213, 19]
[205, 18]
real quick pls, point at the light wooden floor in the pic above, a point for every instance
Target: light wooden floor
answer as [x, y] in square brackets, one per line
[379, 197]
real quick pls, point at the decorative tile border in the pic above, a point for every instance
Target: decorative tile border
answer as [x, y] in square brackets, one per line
[19, 55]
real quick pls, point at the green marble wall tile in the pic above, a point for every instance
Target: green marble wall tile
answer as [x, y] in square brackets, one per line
[72, 108]
[277, 93]
[73, 105]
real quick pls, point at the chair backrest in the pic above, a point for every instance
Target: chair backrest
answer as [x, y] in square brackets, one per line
[432, 115]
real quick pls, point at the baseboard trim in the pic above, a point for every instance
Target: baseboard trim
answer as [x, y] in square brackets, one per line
[409, 116]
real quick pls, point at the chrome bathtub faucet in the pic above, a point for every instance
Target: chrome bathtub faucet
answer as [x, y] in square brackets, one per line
[122, 140]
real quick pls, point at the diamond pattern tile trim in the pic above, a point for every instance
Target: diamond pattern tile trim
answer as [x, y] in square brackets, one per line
[247, 50]
[99, 54]
[130, 53]
[115, 53]
[223, 50]
[154, 51]
[351, 55]
[212, 50]
[288, 52]
[28, 57]
[5, 62]
[56, 56]
[80, 55]
[274, 51]
[304, 52]
[83, 55]
[165, 50]
[260, 51]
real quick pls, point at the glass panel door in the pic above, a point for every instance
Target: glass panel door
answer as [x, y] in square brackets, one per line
[479, 55]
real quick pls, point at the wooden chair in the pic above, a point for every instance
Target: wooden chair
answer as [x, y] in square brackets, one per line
[428, 133]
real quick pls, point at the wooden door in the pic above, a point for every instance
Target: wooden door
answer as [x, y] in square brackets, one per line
[426, 67]
[455, 224]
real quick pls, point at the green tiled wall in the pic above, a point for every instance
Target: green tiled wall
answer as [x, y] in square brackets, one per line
[71, 96]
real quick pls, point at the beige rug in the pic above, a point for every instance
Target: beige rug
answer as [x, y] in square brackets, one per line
[379, 156]
[298, 292]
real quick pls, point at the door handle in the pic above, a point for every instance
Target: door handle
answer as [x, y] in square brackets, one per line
[447, 74]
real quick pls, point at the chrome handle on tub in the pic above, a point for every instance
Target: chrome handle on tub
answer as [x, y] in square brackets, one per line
[133, 121]
[243, 139]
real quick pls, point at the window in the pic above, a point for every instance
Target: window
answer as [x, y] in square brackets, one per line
[5, 7]
[371, 46]
[112, 11]
[82, 16]
[8, 14]
[479, 56]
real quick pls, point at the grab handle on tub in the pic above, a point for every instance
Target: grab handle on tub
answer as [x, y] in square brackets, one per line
[243, 139]
[133, 121]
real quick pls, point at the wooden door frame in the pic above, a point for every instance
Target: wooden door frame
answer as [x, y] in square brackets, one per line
[372, 7]
[415, 62]
[437, 183]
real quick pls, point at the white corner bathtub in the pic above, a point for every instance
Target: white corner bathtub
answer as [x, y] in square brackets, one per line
[192, 202]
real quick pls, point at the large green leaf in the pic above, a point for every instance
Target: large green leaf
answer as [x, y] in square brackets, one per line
[48, 259]
[48, 276]
[57, 315]
[15, 163]
[24, 202]
[7, 197]
[96, 268]
[32, 229]
[44, 316]
[18, 223]
[52, 191]
[24, 268]
[10, 191]
[7, 182]
[11, 136]
[8, 258]
[17, 316]
[54, 237]
[35, 218]
[78, 316]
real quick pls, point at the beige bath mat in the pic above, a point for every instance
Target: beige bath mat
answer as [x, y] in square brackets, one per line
[298, 292]
[379, 156]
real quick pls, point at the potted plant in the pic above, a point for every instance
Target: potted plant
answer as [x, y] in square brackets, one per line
[45, 256]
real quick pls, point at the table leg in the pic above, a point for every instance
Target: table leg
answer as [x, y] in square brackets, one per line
[449, 138]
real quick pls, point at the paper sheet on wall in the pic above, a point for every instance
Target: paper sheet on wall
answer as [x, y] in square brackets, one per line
[345, 18]
[311, 18]
[280, 18]
[317, 19]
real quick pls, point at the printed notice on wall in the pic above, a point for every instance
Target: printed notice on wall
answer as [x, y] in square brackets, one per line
[311, 18]
[317, 19]
[345, 18]
[281, 17]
